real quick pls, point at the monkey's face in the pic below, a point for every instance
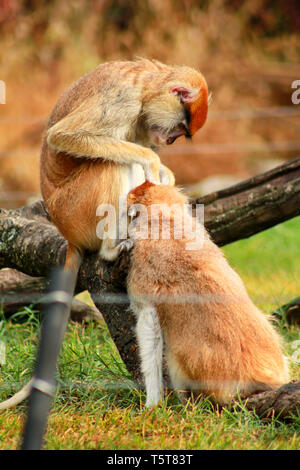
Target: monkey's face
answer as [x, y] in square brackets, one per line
[151, 206]
[159, 136]
[177, 111]
[165, 119]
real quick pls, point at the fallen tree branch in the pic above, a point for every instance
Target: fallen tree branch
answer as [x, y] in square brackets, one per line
[29, 243]
[254, 204]
[18, 290]
[280, 403]
[290, 312]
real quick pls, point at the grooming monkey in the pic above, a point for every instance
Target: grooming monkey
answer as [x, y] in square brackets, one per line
[100, 139]
[99, 144]
[218, 342]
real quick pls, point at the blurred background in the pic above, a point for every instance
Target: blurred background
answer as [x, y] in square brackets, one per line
[248, 51]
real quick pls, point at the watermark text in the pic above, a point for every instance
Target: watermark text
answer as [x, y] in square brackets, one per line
[296, 94]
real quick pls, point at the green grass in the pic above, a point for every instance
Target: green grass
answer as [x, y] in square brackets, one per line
[269, 264]
[97, 405]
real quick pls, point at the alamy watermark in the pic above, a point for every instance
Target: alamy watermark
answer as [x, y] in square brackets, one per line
[157, 221]
[296, 94]
[2, 92]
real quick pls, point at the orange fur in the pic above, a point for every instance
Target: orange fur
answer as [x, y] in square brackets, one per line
[218, 342]
[198, 111]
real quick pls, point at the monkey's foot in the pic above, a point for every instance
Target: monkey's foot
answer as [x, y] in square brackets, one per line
[125, 245]
[153, 400]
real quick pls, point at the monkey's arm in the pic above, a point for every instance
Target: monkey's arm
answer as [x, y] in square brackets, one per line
[89, 132]
[83, 144]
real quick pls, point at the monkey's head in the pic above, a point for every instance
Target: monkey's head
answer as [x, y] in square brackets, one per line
[148, 194]
[176, 105]
[151, 206]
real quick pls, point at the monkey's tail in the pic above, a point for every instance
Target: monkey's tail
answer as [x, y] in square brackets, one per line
[17, 397]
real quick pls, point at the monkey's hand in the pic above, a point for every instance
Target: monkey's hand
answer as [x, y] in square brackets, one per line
[166, 176]
[159, 174]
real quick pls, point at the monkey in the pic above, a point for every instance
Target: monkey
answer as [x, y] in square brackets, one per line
[219, 344]
[101, 141]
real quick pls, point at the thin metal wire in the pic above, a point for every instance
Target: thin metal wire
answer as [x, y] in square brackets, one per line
[123, 298]
[247, 113]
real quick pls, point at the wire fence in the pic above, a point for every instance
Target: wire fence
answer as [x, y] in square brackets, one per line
[208, 148]
[259, 113]
[248, 113]
[32, 298]
[187, 149]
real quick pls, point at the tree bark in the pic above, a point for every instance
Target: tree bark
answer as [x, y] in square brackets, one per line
[281, 403]
[290, 312]
[254, 204]
[32, 245]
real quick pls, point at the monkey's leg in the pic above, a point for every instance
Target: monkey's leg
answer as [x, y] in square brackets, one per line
[73, 259]
[150, 343]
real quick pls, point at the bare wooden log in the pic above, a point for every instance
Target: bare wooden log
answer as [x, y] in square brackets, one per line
[13, 282]
[281, 403]
[254, 204]
[290, 312]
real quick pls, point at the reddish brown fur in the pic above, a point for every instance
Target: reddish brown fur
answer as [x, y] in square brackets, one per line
[198, 111]
[219, 345]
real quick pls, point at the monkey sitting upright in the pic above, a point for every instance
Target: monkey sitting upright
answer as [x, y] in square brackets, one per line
[99, 141]
[218, 342]
[98, 146]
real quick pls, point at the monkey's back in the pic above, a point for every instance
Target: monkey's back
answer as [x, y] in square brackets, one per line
[55, 167]
[218, 341]
[73, 187]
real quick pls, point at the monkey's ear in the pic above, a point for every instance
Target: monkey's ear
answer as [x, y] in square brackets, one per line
[186, 95]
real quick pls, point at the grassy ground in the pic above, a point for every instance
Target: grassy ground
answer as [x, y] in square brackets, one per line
[97, 406]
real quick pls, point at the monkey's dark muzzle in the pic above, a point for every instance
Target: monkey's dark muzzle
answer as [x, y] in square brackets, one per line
[182, 130]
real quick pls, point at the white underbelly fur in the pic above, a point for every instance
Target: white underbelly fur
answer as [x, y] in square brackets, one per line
[135, 177]
[132, 176]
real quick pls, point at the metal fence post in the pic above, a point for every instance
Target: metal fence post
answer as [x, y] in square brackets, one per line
[56, 314]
